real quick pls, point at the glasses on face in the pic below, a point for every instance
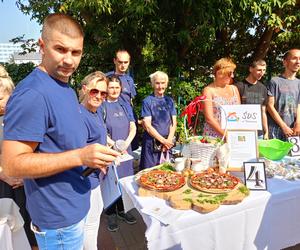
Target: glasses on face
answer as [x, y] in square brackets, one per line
[95, 92]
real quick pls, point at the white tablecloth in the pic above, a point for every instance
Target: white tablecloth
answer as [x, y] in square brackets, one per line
[264, 220]
[12, 233]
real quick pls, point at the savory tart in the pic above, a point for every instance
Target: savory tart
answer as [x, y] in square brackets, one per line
[214, 182]
[161, 180]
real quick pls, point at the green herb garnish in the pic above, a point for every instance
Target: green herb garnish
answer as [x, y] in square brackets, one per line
[187, 191]
[188, 200]
[210, 201]
[244, 190]
[220, 197]
[203, 195]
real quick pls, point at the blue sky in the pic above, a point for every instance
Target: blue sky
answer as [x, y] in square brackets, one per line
[14, 23]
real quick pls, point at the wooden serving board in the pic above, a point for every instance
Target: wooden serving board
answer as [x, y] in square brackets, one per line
[189, 198]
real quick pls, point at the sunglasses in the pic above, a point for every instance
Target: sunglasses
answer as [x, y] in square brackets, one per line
[95, 92]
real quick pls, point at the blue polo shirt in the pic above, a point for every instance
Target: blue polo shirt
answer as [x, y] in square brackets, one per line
[45, 110]
[161, 110]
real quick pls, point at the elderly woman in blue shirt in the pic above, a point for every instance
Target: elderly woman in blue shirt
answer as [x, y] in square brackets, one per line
[159, 122]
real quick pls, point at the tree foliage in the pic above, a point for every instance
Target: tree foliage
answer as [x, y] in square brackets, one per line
[18, 71]
[177, 35]
[182, 37]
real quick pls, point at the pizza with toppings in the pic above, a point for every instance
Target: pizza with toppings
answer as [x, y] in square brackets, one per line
[161, 180]
[214, 182]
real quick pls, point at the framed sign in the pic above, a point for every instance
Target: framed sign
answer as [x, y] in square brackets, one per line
[245, 116]
[295, 151]
[243, 147]
[255, 175]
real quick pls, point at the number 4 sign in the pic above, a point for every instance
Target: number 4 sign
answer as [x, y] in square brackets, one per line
[255, 175]
[295, 151]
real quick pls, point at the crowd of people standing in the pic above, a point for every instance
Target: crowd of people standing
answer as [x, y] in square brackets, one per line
[50, 138]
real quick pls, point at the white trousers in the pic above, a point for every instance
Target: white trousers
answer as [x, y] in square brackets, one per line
[92, 223]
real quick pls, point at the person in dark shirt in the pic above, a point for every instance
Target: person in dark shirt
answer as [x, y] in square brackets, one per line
[252, 91]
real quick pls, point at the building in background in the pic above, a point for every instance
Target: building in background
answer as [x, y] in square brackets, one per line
[10, 53]
[7, 50]
[34, 57]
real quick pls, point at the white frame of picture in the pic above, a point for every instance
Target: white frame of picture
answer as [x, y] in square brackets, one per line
[242, 139]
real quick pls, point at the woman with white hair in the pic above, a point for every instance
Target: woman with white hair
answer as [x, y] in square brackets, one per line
[159, 121]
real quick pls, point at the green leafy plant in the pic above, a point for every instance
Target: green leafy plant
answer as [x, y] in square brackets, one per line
[167, 167]
[19, 71]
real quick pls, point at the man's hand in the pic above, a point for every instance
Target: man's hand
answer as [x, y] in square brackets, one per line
[98, 156]
[14, 182]
[287, 131]
[296, 129]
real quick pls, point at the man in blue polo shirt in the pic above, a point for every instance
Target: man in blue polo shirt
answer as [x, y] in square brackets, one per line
[122, 61]
[45, 140]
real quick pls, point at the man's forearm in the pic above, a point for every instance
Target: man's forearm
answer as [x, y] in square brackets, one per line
[298, 115]
[276, 117]
[35, 165]
[265, 120]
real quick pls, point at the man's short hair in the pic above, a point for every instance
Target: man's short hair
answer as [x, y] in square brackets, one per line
[63, 23]
[257, 62]
[122, 51]
[288, 53]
